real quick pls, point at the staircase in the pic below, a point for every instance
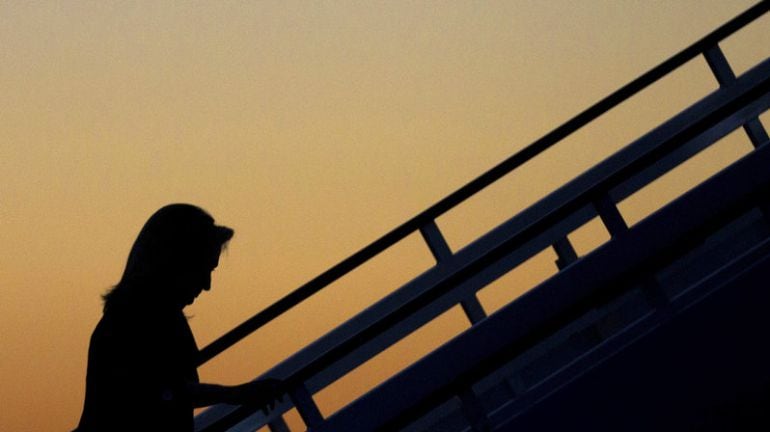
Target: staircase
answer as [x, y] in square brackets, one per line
[661, 327]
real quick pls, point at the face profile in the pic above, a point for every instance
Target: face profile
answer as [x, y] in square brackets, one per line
[193, 282]
[171, 261]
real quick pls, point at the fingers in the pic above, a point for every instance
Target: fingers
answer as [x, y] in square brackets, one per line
[270, 405]
[270, 393]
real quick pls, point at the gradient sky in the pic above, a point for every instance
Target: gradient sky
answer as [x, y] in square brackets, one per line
[312, 128]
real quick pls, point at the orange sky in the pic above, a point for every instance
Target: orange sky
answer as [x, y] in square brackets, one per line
[311, 128]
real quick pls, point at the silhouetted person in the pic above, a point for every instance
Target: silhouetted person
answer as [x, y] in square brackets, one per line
[142, 356]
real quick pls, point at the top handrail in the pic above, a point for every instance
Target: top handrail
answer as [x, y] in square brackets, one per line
[502, 249]
[521, 157]
[750, 89]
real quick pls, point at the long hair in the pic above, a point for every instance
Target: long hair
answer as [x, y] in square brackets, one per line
[176, 238]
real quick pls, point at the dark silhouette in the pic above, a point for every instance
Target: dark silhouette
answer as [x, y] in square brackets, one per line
[142, 356]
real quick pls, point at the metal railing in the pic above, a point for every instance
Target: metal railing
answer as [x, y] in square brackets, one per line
[426, 225]
[456, 368]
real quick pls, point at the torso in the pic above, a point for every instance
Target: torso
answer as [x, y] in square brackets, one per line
[139, 365]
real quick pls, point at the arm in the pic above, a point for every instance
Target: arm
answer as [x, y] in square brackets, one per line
[259, 393]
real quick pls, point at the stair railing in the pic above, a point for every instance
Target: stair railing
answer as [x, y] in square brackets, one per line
[425, 222]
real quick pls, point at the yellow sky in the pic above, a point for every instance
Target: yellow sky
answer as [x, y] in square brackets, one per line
[311, 128]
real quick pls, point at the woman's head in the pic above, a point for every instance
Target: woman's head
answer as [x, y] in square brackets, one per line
[172, 258]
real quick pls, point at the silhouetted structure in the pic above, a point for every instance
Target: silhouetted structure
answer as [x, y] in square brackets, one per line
[142, 357]
[660, 328]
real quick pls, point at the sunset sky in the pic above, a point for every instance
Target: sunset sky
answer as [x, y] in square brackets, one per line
[311, 128]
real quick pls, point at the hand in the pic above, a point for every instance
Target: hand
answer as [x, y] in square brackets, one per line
[262, 393]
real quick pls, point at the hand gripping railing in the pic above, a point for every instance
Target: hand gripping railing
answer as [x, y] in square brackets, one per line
[425, 221]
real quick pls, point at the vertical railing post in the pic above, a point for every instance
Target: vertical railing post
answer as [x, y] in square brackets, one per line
[719, 66]
[278, 425]
[473, 309]
[441, 252]
[436, 242]
[610, 215]
[306, 406]
[565, 253]
[726, 77]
